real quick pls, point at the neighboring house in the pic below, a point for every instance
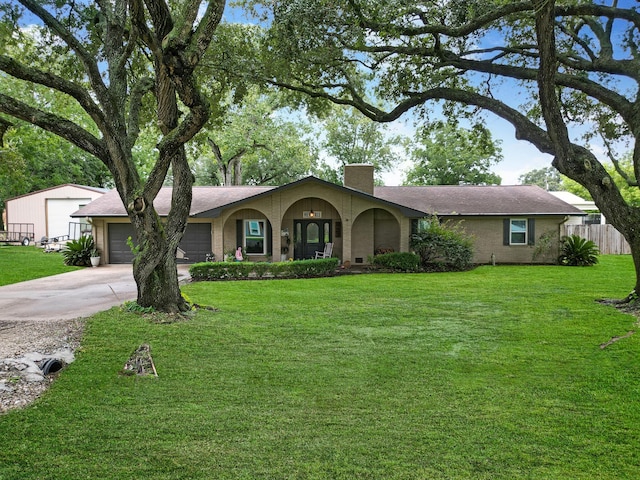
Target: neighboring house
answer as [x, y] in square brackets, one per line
[297, 219]
[49, 210]
[593, 215]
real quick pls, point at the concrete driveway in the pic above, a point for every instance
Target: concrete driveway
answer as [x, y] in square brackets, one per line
[71, 295]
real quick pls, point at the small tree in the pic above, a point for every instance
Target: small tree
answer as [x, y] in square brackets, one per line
[443, 247]
[578, 252]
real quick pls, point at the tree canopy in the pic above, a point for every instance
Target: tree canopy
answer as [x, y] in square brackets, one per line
[548, 178]
[559, 72]
[257, 141]
[451, 155]
[348, 137]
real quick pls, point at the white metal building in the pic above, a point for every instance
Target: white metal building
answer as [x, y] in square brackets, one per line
[49, 210]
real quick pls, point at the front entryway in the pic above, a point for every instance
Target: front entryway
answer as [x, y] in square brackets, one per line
[310, 237]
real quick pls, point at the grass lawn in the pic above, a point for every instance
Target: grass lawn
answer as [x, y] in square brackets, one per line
[492, 373]
[19, 264]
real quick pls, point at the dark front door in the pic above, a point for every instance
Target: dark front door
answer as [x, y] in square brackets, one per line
[310, 237]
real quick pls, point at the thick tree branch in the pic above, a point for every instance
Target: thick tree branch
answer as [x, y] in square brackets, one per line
[88, 60]
[209, 22]
[4, 126]
[33, 75]
[545, 34]
[55, 124]
[142, 87]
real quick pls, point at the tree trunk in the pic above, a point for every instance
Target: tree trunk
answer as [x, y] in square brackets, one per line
[158, 287]
[154, 265]
[576, 162]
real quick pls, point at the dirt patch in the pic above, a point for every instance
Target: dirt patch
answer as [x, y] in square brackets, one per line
[631, 308]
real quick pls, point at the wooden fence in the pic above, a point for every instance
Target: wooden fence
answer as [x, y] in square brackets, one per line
[609, 240]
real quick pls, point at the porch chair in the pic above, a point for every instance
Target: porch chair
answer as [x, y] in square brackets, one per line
[326, 253]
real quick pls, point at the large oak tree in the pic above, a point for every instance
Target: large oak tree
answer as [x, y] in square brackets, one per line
[121, 61]
[557, 71]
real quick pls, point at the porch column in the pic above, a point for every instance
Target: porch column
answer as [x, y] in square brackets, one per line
[405, 234]
[276, 239]
[346, 241]
[218, 238]
[275, 218]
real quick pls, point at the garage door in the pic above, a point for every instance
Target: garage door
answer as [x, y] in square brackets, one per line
[58, 215]
[196, 242]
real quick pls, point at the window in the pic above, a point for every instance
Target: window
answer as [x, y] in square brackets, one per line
[518, 231]
[420, 225]
[593, 219]
[254, 237]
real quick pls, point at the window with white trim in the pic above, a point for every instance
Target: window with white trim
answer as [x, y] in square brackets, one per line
[254, 237]
[518, 231]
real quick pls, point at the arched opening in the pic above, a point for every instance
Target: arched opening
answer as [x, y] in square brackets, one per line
[309, 224]
[374, 231]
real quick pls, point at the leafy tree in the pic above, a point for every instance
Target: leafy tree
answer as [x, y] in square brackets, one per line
[122, 62]
[450, 155]
[351, 137]
[559, 73]
[255, 142]
[548, 178]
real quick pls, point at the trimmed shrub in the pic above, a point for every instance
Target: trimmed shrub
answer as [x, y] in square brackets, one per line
[245, 270]
[443, 248]
[578, 252]
[398, 261]
[78, 252]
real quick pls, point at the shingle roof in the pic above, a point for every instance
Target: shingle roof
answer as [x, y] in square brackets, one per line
[478, 200]
[441, 200]
[204, 198]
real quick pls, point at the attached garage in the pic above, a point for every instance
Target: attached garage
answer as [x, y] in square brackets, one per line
[196, 242]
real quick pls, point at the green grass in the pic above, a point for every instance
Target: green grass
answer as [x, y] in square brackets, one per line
[491, 373]
[27, 263]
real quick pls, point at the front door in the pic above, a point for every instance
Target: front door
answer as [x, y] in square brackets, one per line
[310, 237]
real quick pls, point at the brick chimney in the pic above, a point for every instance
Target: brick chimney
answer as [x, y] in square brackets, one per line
[359, 176]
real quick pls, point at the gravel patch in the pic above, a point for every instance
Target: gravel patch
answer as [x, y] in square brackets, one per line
[25, 348]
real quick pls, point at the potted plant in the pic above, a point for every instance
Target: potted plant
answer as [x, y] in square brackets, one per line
[95, 257]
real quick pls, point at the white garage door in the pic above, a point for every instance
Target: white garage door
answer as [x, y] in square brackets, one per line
[58, 216]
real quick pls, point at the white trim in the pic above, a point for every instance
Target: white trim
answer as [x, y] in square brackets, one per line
[252, 228]
[526, 231]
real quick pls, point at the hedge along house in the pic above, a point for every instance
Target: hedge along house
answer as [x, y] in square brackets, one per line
[297, 219]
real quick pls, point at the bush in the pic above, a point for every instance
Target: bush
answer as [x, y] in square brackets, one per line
[443, 248]
[244, 270]
[398, 261]
[578, 251]
[78, 252]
